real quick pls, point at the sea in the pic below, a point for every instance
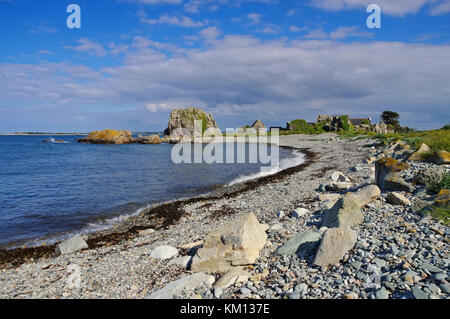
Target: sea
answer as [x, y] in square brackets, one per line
[56, 189]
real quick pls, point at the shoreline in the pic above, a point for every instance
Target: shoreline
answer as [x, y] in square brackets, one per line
[393, 240]
[169, 211]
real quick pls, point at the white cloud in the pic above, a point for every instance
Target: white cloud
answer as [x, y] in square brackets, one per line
[174, 20]
[345, 32]
[391, 7]
[210, 33]
[254, 18]
[88, 46]
[240, 78]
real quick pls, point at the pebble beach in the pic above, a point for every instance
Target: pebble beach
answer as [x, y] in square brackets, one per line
[398, 254]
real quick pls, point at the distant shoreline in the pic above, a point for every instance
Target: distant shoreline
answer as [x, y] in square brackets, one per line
[42, 134]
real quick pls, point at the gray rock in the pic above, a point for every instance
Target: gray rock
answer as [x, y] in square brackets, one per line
[382, 294]
[294, 295]
[186, 283]
[183, 261]
[71, 245]
[163, 252]
[430, 267]
[336, 242]
[346, 212]
[245, 291]
[299, 243]
[299, 212]
[418, 293]
[445, 288]
[393, 182]
[397, 199]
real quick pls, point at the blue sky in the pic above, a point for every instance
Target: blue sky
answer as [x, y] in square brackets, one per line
[133, 61]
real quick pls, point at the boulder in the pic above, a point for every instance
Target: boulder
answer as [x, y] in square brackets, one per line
[183, 261]
[397, 199]
[443, 198]
[339, 177]
[184, 119]
[71, 245]
[231, 277]
[420, 153]
[387, 165]
[299, 212]
[336, 242]
[441, 157]
[393, 182]
[301, 243]
[152, 139]
[337, 186]
[108, 137]
[237, 243]
[191, 282]
[163, 252]
[365, 195]
[386, 176]
[346, 212]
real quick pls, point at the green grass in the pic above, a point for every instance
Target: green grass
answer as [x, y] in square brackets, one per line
[435, 139]
[441, 213]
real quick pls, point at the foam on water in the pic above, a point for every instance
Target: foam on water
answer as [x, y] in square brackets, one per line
[297, 159]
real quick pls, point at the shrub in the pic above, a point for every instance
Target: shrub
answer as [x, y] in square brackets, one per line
[435, 185]
[347, 126]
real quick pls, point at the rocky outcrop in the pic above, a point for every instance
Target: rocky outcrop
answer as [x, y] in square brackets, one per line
[335, 123]
[386, 176]
[184, 119]
[336, 242]
[108, 137]
[152, 139]
[258, 125]
[237, 243]
[382, 128]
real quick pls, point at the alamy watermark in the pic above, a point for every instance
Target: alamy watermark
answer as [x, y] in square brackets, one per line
[74, 19]
[374, 20]
[212, 146]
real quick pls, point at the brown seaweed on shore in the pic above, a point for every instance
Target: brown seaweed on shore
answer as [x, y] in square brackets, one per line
[159, 217]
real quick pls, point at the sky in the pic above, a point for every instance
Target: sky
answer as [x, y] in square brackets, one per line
[133, 61]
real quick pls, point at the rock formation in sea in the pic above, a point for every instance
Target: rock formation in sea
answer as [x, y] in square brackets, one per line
[184, 119]
[108, 137]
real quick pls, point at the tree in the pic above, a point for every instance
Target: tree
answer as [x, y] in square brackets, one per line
[391, 118]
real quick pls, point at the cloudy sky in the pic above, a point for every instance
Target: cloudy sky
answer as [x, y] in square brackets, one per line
[133, 61]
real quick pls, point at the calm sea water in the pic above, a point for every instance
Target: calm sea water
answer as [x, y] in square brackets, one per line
[50, 191]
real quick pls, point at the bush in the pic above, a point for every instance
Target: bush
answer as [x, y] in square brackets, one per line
[435, 185]
[366, 122]
[347, 126]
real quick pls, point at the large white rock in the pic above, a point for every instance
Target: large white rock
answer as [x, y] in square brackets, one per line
[71, 245]
[336, 242]
[186, 283]
[237, 243]
[339, 177]
[163, 252]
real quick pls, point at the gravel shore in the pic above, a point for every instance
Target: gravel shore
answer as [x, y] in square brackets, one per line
[398, 253]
